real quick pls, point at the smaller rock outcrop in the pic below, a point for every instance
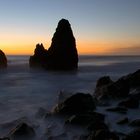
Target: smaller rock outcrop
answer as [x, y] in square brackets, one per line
[38, 59]
[3, 60]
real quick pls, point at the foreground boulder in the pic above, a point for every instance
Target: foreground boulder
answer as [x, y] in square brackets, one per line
[3, 60]
[62, 54]
[76, 104]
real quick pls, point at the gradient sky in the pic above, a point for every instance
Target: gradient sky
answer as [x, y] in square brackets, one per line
[99, 26]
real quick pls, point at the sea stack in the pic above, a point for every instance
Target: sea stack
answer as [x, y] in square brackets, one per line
[62, 54]
[3, 60]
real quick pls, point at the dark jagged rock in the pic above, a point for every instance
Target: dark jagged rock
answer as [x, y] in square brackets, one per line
[38, 59]
[23, 130]
[130, 103]
[62, 54]
[3, 60]
[75, 104]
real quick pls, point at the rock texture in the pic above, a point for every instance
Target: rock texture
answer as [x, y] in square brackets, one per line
[62, 54]
[3, 60]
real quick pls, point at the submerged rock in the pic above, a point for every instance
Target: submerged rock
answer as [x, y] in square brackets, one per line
[62, 54]
[3, 60]
[75, 104]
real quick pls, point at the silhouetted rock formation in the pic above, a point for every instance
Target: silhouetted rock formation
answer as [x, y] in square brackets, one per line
[3, 60]
[38, 59]
[62, 54]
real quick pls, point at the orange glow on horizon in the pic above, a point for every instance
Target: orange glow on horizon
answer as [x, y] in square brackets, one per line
[84, 47]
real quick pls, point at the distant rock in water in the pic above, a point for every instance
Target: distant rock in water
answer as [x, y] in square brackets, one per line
[3, 60]
[62, 54]
[38, 59]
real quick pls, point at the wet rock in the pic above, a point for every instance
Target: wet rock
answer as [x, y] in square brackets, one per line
[39, 57]
[23, 130]
[62, 54]
[123, 121]
[135, 123]
[117, 109]
[134, 135]
[86, 119]
[103, 135]
[76, 104]
[3, 60]
[130, 103]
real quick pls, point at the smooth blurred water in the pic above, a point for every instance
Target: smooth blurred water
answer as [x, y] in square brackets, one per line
[24, 90]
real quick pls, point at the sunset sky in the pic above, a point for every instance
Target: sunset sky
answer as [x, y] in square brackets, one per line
[101, 27]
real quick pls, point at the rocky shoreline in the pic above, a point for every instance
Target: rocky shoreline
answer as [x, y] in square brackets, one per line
[82, 109]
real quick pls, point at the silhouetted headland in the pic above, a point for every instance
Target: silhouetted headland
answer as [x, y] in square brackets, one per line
[62, 54]
[3, 60]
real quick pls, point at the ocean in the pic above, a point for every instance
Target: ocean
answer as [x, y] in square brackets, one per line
[23, 91]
